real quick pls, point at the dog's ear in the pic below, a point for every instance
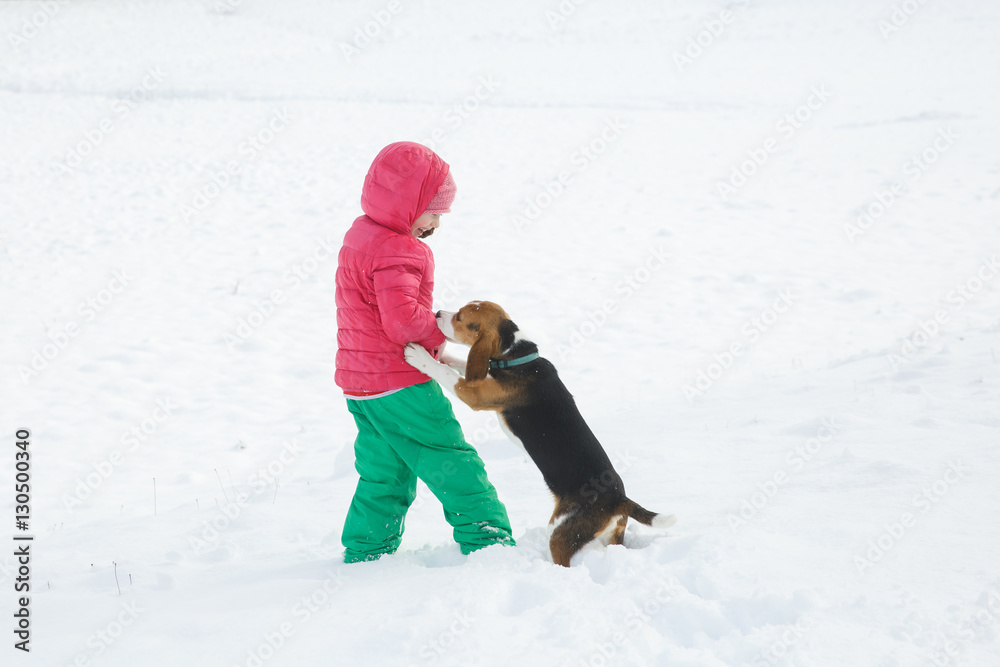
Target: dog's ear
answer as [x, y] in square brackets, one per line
[486, 346]
[508, 332]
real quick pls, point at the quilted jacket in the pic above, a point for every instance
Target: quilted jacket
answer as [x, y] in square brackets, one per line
[385, 275]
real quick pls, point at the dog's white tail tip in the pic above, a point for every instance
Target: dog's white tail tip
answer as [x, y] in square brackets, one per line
[664, 521]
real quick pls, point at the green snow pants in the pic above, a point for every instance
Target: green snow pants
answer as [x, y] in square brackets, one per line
[412, 434]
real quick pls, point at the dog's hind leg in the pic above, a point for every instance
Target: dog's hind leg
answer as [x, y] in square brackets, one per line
[618, 531]
[568, 538]
[572, 533]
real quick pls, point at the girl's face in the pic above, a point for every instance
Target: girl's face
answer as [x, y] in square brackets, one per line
[425, 225]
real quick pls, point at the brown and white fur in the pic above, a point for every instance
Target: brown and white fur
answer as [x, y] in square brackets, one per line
[537, 410]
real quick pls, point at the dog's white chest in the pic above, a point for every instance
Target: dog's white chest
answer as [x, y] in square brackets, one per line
[510, 434]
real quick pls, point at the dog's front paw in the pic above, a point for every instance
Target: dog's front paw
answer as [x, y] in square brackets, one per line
[418, 357]
[421, 359]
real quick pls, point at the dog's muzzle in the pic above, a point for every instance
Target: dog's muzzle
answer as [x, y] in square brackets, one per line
[444, 324]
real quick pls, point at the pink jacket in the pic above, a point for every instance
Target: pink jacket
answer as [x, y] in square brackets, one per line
[385, 275]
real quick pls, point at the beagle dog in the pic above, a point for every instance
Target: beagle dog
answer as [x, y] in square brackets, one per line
[504, 373]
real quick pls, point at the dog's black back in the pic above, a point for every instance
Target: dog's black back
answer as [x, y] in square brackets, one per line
[554, 433]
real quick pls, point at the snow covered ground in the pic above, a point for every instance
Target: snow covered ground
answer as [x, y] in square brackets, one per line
[759, 240]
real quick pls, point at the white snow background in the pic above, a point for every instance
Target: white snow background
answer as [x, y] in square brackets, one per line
[802, 366]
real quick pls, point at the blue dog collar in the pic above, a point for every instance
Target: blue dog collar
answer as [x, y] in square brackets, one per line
[502, 363]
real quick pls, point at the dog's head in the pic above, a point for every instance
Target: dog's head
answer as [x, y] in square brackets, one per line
[482, 325]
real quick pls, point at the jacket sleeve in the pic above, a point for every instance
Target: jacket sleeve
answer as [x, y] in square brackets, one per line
[398, 268]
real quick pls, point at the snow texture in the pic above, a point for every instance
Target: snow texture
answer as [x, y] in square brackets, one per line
[759, 240]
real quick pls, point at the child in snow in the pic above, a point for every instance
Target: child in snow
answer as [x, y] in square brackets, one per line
[406, 427]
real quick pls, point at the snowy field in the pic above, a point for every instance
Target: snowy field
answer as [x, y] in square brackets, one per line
[759, 239]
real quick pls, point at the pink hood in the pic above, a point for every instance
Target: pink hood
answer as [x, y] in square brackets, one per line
[400, 184]
[385, 275]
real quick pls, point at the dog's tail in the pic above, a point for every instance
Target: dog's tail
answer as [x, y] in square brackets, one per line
[643, 515]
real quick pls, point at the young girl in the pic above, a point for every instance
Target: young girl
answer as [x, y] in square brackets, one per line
[406, 427]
